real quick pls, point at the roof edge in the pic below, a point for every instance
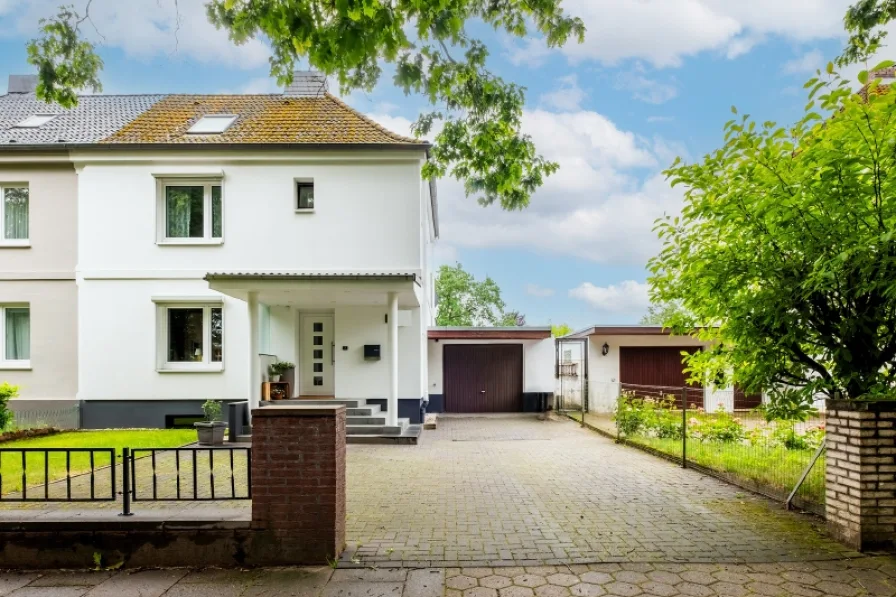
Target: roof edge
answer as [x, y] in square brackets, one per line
[489, 333]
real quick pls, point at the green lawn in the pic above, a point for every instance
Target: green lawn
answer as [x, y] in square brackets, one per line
[11, 463]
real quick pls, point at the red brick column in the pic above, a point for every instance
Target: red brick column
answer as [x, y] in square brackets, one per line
[861, 472]
[298, 483]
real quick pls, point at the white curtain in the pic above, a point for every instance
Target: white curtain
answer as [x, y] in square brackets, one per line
[178, 212]
[18, 334]
[15, 213]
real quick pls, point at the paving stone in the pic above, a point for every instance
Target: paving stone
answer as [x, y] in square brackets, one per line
[368, 575]
[631, 577]
[587, 590]
[798, 590]
[425, 583]
[529, 580]
[597, 578]
[50, 592]
[839, 589]
[552, 591]
[689, 588]
[495, 582]
[659, 589]
[289, 582]
[72, 578]
[563, 580]
[516, 592]
[480, 592]
[623, 589]
[10, 581]
[144, 583]
[360, 588]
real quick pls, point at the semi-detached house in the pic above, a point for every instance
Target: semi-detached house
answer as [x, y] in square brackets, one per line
[161, 250]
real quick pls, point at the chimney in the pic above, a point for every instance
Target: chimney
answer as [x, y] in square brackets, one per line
[22, 84]
[306, 83]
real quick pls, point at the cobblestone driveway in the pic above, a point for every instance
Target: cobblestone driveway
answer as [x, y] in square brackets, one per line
[498, 491]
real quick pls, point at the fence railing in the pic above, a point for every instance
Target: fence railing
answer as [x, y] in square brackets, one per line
[783, 460]
[145, 475]
[94, 474]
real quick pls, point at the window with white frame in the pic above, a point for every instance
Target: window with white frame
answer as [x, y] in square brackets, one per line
[191, 336]
[191, 211]
[15, 329]
[14, 200]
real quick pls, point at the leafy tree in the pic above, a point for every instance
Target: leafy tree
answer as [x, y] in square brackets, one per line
[665, 314]
[560, 330]
[864, 21]
[480, 141]
[465, 301]
[788, 240]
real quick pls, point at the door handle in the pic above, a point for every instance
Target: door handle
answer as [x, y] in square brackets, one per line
[333, 353]
[482, 391]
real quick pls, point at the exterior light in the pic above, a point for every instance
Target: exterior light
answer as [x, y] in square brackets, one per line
[605, 349]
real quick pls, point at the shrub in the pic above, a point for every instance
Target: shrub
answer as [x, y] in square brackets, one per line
[717, 427]
[212, 410]
[7, 391]
[631, 414]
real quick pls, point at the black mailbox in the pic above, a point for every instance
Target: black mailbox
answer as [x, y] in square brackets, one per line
[372, 352]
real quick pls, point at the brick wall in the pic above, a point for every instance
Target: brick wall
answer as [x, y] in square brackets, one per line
[861, 472]
[298, 481]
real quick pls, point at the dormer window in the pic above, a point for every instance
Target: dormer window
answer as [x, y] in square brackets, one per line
[212, 124]
[36, 121]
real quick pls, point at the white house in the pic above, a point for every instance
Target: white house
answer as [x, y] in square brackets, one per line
[217, 234]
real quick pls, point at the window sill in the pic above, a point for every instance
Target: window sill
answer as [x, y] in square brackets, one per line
[189, 368]
[15, 244]
[15, 365]
[305, 210]
[185, 242]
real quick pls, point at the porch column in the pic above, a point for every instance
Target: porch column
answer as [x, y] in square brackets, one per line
[254, 372]
[392, 404]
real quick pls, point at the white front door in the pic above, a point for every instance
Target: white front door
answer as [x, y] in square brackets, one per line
[317, 355]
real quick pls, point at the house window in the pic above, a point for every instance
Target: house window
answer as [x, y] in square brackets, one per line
[14, 204]
[15, 329]
[212, 124]
[304, 195]
[191, 211]
[192, 337]
[36, 121]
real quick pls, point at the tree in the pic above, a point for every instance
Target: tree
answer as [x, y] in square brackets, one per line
[560, 330]
[787, 239]
[480, 141]
[665, 314]
[863, 21]
[466, 302]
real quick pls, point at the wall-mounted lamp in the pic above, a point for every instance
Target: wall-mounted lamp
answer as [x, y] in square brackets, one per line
[605, 349]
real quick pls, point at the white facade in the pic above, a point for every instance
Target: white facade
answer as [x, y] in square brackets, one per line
[372, 215]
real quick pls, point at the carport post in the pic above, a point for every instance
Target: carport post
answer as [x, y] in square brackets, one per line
[684, 428]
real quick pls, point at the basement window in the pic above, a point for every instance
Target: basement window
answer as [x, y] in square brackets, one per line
[36, 121]
[212, 124]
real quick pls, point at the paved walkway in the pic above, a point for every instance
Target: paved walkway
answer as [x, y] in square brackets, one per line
[512, 490]
[863, 577]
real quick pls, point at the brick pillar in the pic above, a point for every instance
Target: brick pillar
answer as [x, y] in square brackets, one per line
[861, 472]
[298, 483]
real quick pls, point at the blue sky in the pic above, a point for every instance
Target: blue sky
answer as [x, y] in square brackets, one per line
[654, 79]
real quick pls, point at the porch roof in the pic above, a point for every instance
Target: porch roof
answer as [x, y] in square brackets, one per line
[308, 275]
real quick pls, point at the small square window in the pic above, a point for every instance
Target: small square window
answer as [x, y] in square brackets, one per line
[318, 381]
[318, 367]
[318, 341]
[191, 211]
[14, 216]
[318, 326]
[318, 354]
[15, 329]
[304, 195]
[36, 121]
[212, 124]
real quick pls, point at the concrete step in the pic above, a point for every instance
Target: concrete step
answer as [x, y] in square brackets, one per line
[409, 437]
[364, 420]
[369, 411]
[321, 402]
[376, 429]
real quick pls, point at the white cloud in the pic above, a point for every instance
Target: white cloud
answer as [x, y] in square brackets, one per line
[444, 254]
[148, 28]
[664, 32]
[644, 88]
[628, 296]
[567, 97]
[539, 291]
[806, 64]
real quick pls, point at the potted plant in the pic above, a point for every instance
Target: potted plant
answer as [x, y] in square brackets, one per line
[276, 370]
[211, 430]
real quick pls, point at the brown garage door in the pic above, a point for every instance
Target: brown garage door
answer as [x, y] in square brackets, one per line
[483, 378]
[655, 370]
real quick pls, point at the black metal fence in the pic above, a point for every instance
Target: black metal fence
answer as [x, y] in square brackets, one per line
[145, 475]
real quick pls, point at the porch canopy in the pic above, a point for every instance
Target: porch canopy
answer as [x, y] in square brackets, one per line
[321, 290]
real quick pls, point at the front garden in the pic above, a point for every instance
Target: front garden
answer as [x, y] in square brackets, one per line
[745, 448]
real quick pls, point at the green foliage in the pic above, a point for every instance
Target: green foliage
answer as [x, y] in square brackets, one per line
[280, 367]
[787, 240]
[560, 330]
[715, 427]
[7, 392]
[865, 22]
[465, 301]
[657, 418]
[65, 63]
[480, 141]
[788, 404]
[664, 314]
[212, 410]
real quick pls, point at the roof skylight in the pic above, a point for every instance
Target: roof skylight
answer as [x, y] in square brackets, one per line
[36, 121]
[212, 124]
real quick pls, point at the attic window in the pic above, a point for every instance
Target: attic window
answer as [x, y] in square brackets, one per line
[212, 124]
[36, 121]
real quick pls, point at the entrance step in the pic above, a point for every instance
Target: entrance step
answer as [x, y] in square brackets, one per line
[364, 420]
[321, 402]
[409, 436]
[376, 429]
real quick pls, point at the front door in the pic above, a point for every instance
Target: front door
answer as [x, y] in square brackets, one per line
[317, 355]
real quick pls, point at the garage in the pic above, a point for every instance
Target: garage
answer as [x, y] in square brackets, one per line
[489, 369]
[483, 378]
[656, 370]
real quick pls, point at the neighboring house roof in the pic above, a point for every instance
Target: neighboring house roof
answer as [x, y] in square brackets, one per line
[489, 333]
[622, 330]
[92, 120]
[261, 119]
